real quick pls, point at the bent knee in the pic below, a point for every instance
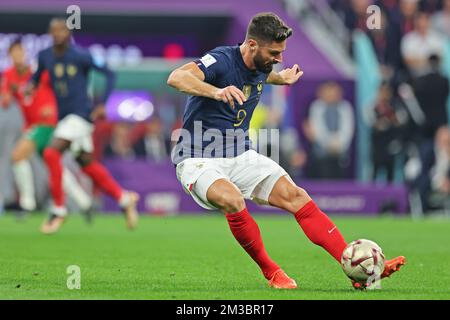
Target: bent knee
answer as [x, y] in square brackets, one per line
[295, 193]
[22, 151]
[231, 202]
[17, 156]
[295, 198]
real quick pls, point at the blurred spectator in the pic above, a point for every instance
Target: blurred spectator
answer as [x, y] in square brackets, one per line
[119, 145]
[341, 7]
[431, 91]
[356, 15]
[330, 129]
[405, 16]
[292, 155]
[386, 45]
[433, 178]
[152, 144]
[440, 21]
[440, 179]
[387, 6]
[386, 119]
[430, 6]
[419, 45]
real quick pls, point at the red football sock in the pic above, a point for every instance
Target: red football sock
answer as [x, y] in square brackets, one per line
[103, 180]
[321, 230]
[52, 158]
[247, 233]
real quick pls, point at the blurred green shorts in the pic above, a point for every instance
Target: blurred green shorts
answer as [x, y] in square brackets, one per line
[41, 136]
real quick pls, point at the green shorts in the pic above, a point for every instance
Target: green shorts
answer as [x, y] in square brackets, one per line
[41, 136]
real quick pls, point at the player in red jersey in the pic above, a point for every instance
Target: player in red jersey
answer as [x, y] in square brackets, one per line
[69, 66]
[40, 117]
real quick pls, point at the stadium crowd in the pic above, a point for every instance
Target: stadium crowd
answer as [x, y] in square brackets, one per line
[409, 119]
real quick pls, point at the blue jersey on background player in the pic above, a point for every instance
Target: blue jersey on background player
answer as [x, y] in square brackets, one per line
[69, 76]
[69, 66]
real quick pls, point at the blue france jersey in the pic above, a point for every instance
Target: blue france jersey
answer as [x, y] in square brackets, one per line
[69, 78]
[222, 67]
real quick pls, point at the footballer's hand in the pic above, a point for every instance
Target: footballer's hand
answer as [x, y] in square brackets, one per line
[291, 75]
[229, 95]
[98, 113]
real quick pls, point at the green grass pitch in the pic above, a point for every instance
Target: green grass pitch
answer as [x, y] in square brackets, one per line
[196, 257]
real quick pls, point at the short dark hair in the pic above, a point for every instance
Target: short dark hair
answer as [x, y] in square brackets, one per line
[268, 27]
[16, 43]
[56, 19]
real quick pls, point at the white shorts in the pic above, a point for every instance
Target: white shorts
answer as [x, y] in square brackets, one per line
[76, 130]
[252, 173]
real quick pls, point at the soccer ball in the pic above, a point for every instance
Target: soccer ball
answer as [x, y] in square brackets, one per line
[363, 261]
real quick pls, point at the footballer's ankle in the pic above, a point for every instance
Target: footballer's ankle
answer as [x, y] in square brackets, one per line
[59, 211]
[126, 198]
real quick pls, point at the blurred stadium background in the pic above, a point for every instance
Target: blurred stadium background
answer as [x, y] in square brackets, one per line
[359, 131]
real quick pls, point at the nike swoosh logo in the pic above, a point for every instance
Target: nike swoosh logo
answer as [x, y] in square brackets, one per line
[330, 231]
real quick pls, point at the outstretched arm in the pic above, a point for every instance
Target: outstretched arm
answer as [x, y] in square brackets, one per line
[99, 111]
[109, 76]
[190, 79]
[287, 76]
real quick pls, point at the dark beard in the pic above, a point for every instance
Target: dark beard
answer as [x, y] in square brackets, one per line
[261, 66]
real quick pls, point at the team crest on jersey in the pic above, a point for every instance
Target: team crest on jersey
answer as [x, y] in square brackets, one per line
[260, 87]
[247, 91]
[71, 70]
[58, 70]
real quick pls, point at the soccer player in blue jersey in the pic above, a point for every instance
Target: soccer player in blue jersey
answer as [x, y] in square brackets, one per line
[224, 87]
[69, 66]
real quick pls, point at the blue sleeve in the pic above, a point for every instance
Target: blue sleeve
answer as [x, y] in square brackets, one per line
[101, 66]
[214, 65]
[37, 74]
